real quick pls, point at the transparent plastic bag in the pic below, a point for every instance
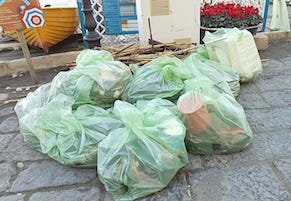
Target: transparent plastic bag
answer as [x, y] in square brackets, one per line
[97, 79]
[280, 19]
[69, 136]
[161, 78]
[236, 49]
[199, 65]
[28, 110]
[216, 122]
[142, 157]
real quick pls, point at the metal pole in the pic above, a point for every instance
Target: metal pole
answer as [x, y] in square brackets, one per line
[91, 37]
[267, 3]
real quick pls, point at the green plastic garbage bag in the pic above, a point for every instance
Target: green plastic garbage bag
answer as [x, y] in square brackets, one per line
[280, 19]
[235, 49]
[199, 65]
[161, 78]
[69, 136]
[216, 122]
[97, 79]
[28, 110]
[229, 75]
[144, 156]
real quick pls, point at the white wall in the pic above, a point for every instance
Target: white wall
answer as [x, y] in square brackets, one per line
[183, 21]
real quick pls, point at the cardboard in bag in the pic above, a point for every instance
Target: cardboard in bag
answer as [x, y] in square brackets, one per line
[195, 113]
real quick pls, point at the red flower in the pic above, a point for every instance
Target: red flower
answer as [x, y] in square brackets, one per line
[242, 16]
[232, 15]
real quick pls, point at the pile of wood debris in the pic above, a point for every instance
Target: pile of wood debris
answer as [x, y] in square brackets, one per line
[132, 54]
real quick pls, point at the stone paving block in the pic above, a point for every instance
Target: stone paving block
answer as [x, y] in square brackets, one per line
[4, 111]
[195, 162]
[278, 98]
[258, 150]
[249, 87]
[50, 174]
[7, 170]
[177, 190]
[17, 150]
[252, 101]
[3, 97]
[280, 143]
[284, 165]
[17, 197]
[252, 183]
[9, 125]
[4, 140]
[271, 83]
[271, 63]
[263, 120]
[81, 193]
[287, 61]
[108, 198]
[275, 68]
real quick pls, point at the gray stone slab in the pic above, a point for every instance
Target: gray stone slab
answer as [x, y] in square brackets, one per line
[108, 198]
[81, 193]
[17, 150]
[4, 140]
[259, 150]
[7, 170]
[4, 96]
[274, 83]
[195, 162]
[252, 183]
[252, 101]
[278, 98]
[280, 143]
[9, 125]
[263, 120]
[287, 61]
[17, 197]
[272, 63]
[177, 190]
[284, 165]
[249, 87]
[50, 174]
[274, 69]
[4, 111]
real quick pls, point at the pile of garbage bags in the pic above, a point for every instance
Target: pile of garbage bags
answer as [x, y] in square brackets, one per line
[136, 124]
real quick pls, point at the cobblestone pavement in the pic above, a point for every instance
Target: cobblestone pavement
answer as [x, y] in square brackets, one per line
[260, 173]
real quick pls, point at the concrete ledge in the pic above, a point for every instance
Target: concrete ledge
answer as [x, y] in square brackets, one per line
[39, 63]
[278, 36]
[9, 45]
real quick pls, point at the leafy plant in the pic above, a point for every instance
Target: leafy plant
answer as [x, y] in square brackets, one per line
[229, 15]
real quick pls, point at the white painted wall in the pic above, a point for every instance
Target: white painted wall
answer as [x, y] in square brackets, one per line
[183, 21]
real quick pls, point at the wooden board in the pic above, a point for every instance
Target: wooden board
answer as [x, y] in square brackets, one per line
[10, 13]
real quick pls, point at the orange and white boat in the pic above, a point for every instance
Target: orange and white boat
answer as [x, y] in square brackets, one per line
[61, 22]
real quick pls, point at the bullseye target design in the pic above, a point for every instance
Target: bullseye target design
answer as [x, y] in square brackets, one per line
[33, 17]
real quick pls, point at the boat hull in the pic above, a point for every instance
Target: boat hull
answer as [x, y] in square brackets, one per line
[61, 22]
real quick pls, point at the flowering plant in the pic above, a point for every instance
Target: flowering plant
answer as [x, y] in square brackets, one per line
[229, 15]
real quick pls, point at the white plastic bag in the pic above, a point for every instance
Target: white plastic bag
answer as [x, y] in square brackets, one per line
[237, 49]
[280, 19]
